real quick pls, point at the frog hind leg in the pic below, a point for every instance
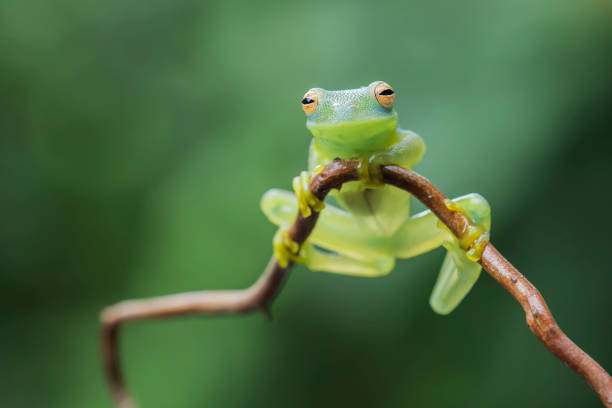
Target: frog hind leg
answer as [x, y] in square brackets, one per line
[336, 245]
[458, 274]
[324, 261]
[336, 229]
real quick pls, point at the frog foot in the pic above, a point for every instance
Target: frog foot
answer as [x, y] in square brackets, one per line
[370, 172]
[285, 249]
[307, 202]
[474, 238]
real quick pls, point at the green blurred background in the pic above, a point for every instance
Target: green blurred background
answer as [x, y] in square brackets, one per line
[137, 139]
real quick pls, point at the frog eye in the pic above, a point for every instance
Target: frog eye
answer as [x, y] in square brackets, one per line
[385, 95]
[309, 102]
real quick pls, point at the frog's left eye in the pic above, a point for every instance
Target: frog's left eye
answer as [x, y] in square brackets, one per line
[309, 102]
[385, 95]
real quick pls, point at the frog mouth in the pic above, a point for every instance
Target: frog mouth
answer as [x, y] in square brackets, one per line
[351, 129]
[354, 136]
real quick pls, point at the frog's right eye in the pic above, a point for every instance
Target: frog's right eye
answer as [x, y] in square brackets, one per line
[309, 102]
[385, 95]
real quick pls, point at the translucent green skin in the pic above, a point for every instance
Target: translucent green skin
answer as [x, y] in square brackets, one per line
[373, 227]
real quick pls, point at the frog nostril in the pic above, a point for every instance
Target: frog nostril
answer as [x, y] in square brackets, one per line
[387, 91]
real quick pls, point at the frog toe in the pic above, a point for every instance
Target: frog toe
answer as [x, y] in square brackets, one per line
[370, 172]
[285, 249]
[307, 202]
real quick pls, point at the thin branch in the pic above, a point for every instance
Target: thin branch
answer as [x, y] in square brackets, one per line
[261, 294]
[539, 318]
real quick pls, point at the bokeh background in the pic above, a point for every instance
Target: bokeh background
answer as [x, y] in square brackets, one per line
[136, 141]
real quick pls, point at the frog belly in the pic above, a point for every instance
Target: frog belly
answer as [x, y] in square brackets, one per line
[379, 211]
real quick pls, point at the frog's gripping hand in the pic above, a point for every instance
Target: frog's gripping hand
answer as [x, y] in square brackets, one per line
[370, 172]
[285, 249]
[461, 269]
[474, 238]
[307, 202]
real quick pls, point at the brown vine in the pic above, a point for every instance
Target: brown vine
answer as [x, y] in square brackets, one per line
[260, 295]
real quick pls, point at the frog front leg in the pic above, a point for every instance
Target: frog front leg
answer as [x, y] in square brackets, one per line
[344, 248]
[405, 149]
[458, 274]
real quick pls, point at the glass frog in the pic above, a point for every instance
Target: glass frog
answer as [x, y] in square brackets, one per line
[372, 226]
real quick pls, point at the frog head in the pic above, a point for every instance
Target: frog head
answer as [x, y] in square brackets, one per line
[353, 120]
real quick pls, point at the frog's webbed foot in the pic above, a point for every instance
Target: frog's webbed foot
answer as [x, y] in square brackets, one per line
[370, 172]
[474, 238]
[285, 249]
[307, 202]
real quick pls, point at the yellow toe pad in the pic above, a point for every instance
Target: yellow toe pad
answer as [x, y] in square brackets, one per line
[474, 239]
[285, 249]
[307, 202]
